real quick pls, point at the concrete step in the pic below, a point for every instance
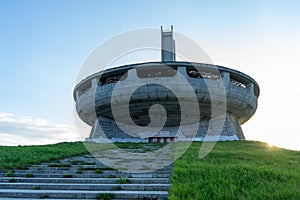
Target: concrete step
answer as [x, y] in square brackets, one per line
[43, 166]
[85, 180]
[82, 194]
[48, 181]
[56, 199]
[88, 186]
[89, 175]
[46, 167]
[75, 168]
[40, 198]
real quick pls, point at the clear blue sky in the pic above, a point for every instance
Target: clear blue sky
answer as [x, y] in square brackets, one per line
[43, 44]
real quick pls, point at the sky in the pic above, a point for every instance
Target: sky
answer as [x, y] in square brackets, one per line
[44, 43]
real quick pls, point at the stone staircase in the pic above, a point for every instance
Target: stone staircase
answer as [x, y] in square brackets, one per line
[82, 177]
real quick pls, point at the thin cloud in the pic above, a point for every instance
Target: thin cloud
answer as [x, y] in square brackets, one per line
[23, 130]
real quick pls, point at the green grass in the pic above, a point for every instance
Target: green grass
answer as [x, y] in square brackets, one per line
[22, 156]
[237, 170]
[232, 170]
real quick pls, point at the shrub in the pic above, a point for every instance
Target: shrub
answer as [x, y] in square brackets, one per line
[29, 175]
[67, 176]
[9, 174]
[104, 196]
[123, 180]
[12, 180]
[98, 171]
[117, 188]
[36, 187]
[59, 165]
[22, 167]
[44, 196]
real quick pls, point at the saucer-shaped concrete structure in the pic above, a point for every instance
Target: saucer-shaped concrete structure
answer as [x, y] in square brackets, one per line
[235, 90]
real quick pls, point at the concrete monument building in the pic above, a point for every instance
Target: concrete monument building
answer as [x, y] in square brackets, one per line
[93, 98]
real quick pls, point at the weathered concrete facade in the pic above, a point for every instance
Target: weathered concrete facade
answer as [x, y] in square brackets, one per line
[92, 95]
[199, 87]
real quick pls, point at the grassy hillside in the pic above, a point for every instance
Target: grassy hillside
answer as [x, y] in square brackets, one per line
[21, 156]
[237, 170]
[233, 170]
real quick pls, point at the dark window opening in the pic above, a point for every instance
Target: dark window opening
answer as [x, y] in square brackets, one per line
[156, 71]
[194, 73]
[238, 83]
[113, 79]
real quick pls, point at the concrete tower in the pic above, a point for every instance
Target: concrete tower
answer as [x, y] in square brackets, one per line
[167, 45]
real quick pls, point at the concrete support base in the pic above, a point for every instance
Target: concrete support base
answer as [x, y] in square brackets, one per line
[106, 130]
